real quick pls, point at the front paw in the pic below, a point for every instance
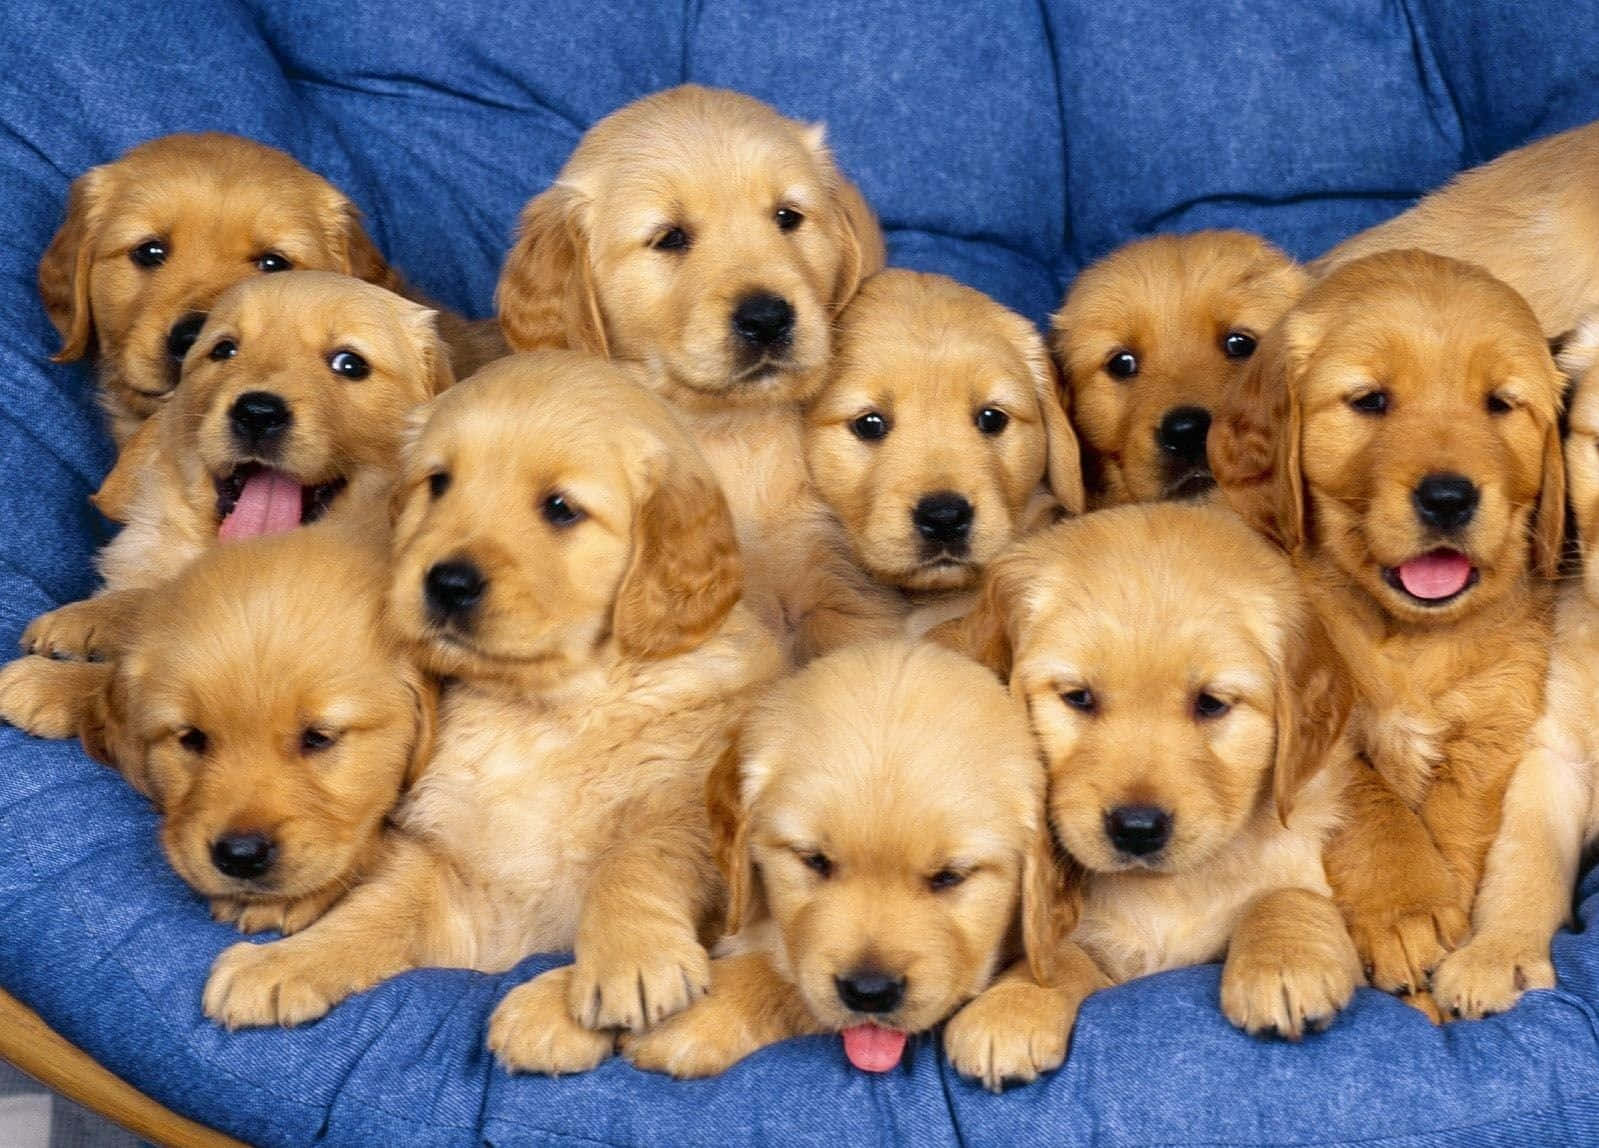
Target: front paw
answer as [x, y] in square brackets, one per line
[86, 631]
[1488, 976]
[1400, 948]
[637, 983]
[284, 917]
[1290, 987]
[703, 1040]
[1010, 1034]
[252, 986]
[48, 698]
[532, 1030]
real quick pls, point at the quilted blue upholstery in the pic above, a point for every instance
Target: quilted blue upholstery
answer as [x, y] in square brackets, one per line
[1006, 143]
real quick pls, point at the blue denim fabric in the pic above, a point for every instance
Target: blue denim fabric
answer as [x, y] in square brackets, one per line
[1005, 143]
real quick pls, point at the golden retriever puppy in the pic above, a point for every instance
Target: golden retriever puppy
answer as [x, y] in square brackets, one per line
[939, 436]
[712, 241]
[1529, 217]
[1190, 710]
[151, 239]
[1551, 812]
[293, 403]
[1398, 434]
[565, 558]
[880, 825]
[1147, 340]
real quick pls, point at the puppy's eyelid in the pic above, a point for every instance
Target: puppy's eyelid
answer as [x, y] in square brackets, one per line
[194, 740]
[314, 740]
[671, 239]
[1081, 699]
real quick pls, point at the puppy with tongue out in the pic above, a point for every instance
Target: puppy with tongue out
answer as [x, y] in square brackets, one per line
[880, 826]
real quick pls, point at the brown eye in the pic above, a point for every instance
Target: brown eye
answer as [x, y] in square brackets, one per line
[672, 239]
[349, 365]
[1081, 700]
[150, 254]
[1207, 706]
[223, 349]
[314, 740]
[1371, 403]
[945, 879]
[870, 427]
[1122, 365]
[1238, 345]
[1497, 405]
[438, 483]
[558, 512]
[819, 863]
[194, 740]
[992, 420]
[788, 219]
[270, 261]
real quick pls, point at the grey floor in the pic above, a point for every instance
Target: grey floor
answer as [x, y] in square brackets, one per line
[33, 1117]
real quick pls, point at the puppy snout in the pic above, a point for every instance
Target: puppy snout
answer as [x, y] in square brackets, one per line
[453, 588]
[1182, 434]
[1138, 829]
[259, 419]
[1445, 501]
[763, 320]
[870, 991]
[183, 334]
[244, 855]
[944, 517]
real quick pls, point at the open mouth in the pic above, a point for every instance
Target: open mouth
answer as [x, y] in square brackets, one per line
[255, 500]
[1435, 578]
[872, 1048]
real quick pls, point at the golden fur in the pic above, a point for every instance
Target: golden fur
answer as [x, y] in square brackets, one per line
[591, 687]
[1530, 218]
[223, 209]
[1170, 662]
[720, 179]
[1189, 309]
[285, 329]
[1448, 691]
[883, 810]
[932, 359]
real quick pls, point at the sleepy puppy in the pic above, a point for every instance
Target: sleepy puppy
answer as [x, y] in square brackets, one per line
[704, 237]
[939, 436]
[566, 560]
[880, 825]
[1529, 217]
[1190, 711]
[1398, 434]
[293, 402]
[151, 239]
[1551, 813]
[1148, 339]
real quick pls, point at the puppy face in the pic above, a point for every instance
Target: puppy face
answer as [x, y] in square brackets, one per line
[152, 239]
[938, 422]
[1148, 339]
[549, 509]
[264, 709]
[884, 806]
[1174, 675]
[296, 385]
[701, 233]
[1413, 406]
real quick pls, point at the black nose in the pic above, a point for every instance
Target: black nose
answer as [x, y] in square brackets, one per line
[868, 990]
[243, 855]
[1446, 501]
[1182, 433]
[1138, 829]
[453, 588]
[763, 319]
[183, 334]
[943, 517]
[259, 419]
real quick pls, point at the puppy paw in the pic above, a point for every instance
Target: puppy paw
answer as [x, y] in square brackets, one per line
[252, 986]
[1400, 949]
[1010, 1034]
[633, 986]
[1488, 976]
[283, 917]
[532, 1031]
[48, 698]
[86, 631]
[1290, 989]
[703, 1040]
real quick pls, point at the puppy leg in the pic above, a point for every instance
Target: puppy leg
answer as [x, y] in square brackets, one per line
[1290, 965]
[92, 630]
[283, 917]
[749, 1007]
[49, 698]
[1017, 1029]
[406, 916]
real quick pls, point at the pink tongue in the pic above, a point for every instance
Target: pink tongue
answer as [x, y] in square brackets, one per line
[873, 1049]
[268, 504]
[1436, 575]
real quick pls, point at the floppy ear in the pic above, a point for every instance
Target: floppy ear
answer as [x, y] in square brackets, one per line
[546, 295]
[105, 735]
[1549, 530]
[434, 353]
[1051, 902]
[424, 690]
[64, 268]
[724, 800]
[360, 256]
[984, 634]
[685, 573]
[854, 228]
[139, 452]
[1314, 697]
[1064, 454]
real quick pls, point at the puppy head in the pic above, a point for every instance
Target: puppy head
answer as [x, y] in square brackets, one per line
[885, 805]
[549, 509]
[1176, 679]
[1579, 358]
[269, 715]
[702, 234]
[1149, 338]
[152, 239]
[937, 424]
[1402, 421]
[297, 385]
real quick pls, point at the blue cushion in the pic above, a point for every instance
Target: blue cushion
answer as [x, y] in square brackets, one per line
[1005, 143]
